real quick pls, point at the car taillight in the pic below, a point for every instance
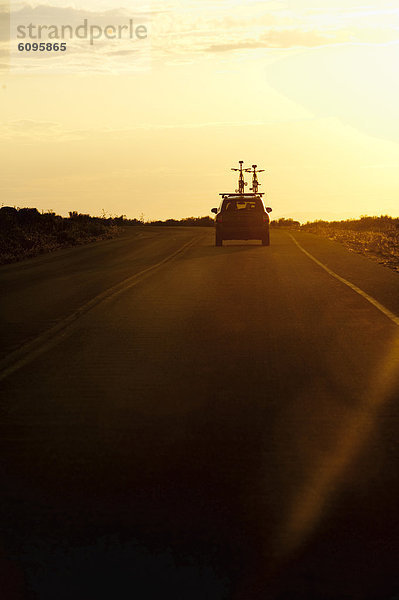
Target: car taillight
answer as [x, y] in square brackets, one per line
[219, 219]
[265, 218]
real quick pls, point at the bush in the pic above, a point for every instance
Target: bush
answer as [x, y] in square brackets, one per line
[26, 232]
[377, 237]
[187, 222]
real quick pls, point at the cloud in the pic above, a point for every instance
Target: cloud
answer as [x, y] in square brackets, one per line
[275, 39]
[121, 52]
[27, 125]
[29, 130]
[88, 47]
[45, 14]
[32, 131]
[232, 26]
[188, 30]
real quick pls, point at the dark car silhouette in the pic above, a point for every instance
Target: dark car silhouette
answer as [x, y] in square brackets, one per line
[242, 217]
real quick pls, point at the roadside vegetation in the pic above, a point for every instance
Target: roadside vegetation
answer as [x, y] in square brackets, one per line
[285, 223]
[187, 222]
[26, 232]
[375, 237]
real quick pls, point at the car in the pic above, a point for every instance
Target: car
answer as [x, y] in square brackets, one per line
[242, 217]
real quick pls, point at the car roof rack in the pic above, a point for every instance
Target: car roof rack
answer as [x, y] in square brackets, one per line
[252, 194]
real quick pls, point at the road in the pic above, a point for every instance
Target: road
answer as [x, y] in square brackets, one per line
[185, 421]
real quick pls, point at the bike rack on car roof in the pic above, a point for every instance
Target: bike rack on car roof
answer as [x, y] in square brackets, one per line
[247, 195]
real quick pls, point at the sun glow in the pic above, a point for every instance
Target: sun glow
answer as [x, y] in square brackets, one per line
[331, 470]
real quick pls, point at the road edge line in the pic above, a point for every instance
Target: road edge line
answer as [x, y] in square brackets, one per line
[385, 311]
[40, 344]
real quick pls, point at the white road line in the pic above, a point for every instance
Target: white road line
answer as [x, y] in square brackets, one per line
[385, 311]
[28, 352]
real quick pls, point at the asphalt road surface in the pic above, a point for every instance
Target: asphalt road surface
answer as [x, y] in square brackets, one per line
[190, 422]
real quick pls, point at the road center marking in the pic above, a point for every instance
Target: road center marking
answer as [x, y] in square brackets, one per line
[29, 351]
[385, 311]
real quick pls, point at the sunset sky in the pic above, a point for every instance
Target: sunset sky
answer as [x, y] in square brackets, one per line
[307, 89]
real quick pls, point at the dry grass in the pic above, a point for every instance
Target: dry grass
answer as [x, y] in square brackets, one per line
[375, 237]
[27, 233]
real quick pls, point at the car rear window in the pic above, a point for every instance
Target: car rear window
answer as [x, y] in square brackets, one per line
[243, 205]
